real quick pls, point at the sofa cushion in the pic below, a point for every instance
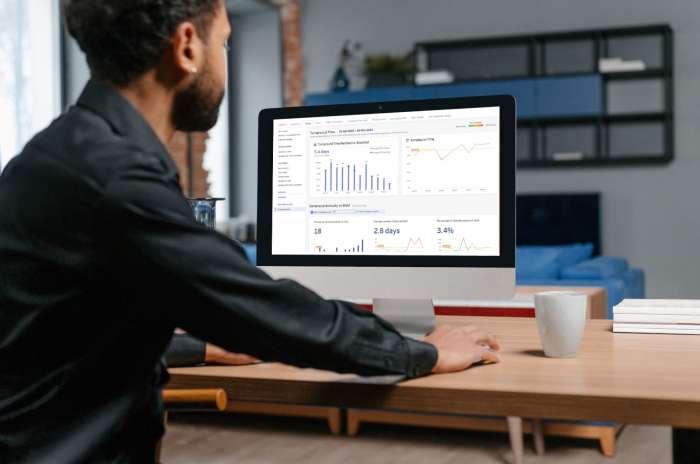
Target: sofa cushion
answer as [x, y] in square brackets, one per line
[601, 267]
[537, 262]
[576, 253]
[548, 261]
[634, 283]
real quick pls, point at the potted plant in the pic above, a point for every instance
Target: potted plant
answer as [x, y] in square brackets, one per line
[386, 70]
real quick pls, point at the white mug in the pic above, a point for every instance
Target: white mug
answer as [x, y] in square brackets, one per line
[561, 318]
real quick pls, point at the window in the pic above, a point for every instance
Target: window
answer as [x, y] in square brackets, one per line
[30, 70]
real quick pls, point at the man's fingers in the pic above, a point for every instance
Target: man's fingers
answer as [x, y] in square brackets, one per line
[236, 359]
[489, 356]
[484, 338]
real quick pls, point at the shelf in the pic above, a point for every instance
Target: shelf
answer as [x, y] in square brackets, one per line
[636, 117]
[585, 119]
[565, 104]
[661, 159]
[552, 36]
[510, 78]
[593, 119]
[646, 74]
[659, 73]
[570, 95]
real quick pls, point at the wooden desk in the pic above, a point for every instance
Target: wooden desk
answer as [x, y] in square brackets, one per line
[629, 378]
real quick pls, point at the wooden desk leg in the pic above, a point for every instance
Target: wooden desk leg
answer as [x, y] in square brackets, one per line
[335, 420]
[607, 442]
[515, 431]
[353, 422]
[538, 436]
[686, 446]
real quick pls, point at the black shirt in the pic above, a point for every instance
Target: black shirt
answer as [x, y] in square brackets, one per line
[100, 260]
[185, 350]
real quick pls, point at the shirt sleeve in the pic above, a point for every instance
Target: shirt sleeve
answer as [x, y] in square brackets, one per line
[185, 350]
[208, 288]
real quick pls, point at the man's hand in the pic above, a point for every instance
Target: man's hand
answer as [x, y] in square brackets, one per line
[216, 355]
[460, 347]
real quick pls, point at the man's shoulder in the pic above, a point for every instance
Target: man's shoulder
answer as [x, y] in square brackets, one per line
[81, 143]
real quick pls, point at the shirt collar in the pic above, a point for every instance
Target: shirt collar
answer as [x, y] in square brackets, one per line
[124, 119]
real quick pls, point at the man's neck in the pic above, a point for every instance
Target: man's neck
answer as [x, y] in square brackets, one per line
[154, 102]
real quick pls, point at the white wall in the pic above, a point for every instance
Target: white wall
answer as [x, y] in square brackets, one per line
[650, 215]
[77, 71]
[256, 84]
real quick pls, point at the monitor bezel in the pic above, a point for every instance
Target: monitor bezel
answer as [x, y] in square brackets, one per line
[508, 125]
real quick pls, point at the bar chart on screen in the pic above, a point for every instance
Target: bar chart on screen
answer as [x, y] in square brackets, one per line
[354, 248]
[354, 166]
[338, 236]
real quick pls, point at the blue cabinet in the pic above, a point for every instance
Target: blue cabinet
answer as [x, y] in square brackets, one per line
[524, 91]
[543, 97]
[362, 96]
[569, 96]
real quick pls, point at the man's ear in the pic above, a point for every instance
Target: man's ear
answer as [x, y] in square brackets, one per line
[188, 49]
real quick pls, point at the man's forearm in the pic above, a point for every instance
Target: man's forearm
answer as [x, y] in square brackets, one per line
[212, 291]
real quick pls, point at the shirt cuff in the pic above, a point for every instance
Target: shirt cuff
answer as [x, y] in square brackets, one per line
[185, 350]
[423, 357]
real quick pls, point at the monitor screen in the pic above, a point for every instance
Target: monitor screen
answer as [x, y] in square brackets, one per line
[409, 183]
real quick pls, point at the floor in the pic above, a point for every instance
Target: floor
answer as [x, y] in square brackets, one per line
[244, 439]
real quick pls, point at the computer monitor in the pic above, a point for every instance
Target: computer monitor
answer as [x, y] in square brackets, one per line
[400, 203]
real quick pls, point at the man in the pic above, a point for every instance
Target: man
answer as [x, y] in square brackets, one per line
[100, 258]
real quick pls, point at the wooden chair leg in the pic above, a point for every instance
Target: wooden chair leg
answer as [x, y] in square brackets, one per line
[538, 436]
[515, 431]
[607, 442]
[335, 421]
[352, 422]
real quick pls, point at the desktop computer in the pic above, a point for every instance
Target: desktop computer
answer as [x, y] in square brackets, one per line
[397, 203]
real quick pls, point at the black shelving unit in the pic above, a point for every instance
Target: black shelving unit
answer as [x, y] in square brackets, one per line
[635, 126]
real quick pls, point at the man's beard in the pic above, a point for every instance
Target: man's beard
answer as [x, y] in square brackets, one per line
[196, 108]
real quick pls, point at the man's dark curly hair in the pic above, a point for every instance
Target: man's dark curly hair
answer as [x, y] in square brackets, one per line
[122, 39]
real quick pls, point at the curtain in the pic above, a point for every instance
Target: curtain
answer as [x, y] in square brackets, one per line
[29, 71]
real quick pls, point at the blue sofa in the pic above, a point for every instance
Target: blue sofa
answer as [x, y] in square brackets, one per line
[574, 266]
[568, 266]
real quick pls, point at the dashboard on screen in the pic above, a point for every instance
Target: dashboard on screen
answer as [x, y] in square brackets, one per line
[387, 184]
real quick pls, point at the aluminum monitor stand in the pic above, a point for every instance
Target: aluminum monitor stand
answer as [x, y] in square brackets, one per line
[412, 318]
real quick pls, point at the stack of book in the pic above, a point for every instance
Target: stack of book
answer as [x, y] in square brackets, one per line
[657, 316]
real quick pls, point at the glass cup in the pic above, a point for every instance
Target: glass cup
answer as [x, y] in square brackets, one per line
[204, 210]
